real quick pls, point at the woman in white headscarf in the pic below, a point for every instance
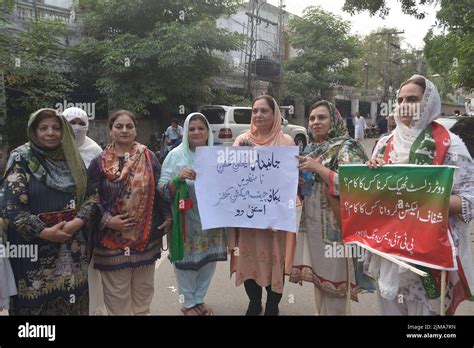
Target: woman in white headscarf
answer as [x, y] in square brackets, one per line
[88, 149]
[193, 251]
[79, 122]
[419, 140]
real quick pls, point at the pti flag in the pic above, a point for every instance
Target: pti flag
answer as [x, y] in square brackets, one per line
[401, 210]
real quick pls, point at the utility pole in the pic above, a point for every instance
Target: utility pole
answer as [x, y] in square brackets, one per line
[251, 45]
[387, 78]
[35, 8]
[280, 51]
[366, 65]
[281, 21]
[419, 60]
[253, 22]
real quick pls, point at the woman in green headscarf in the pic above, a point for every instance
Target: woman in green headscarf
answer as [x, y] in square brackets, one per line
[330, 275]
[48, 205]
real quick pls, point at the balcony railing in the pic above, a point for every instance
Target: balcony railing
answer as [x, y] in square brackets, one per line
[25, 11]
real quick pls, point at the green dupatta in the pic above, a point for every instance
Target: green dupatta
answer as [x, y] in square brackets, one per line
[179, 220]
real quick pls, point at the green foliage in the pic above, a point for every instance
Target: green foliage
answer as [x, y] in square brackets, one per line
[223, 97]
[35, 74]
[373, 52]
[6, 7]
[35, 71]
[454, 45]
[323, 45]
[450, 53]
[147, 52]
[380, 7]
[373, 48]
[457, 15]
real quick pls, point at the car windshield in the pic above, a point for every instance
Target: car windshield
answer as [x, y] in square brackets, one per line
[242, 116]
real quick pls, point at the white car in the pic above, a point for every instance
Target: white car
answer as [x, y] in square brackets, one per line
[228, 122]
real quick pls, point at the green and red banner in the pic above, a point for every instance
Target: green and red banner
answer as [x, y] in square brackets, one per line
[401, 210]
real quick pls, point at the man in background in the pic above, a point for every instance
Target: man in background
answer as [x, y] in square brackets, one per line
[174, 133]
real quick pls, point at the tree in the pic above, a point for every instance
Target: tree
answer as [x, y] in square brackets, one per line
[6, 8]
[384, 60]
[324, 52]
[449, 53]
[140, 54]
[35, 73]
[380, 7]
[373, 51]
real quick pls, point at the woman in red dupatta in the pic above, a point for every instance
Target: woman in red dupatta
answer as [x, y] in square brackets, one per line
[134, 217]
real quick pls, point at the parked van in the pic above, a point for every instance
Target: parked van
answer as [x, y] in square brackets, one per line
[228, 122]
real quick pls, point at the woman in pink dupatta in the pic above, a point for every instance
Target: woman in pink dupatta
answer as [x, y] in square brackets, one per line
[260, 257]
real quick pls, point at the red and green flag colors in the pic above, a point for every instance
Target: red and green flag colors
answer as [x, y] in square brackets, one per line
[401, 210]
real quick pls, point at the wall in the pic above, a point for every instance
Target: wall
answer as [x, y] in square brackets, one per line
[448, 109]
[25, 12]
[267, 36]
[266, 45]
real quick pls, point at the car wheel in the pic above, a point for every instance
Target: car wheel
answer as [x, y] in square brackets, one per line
[300, 141]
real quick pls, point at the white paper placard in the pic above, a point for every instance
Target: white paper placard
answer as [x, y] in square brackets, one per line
[247, 187]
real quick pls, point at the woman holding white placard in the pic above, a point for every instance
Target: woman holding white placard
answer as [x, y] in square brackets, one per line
[193, 251]
[260, 257]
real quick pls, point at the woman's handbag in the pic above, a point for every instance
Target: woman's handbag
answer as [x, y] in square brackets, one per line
[55, 217]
